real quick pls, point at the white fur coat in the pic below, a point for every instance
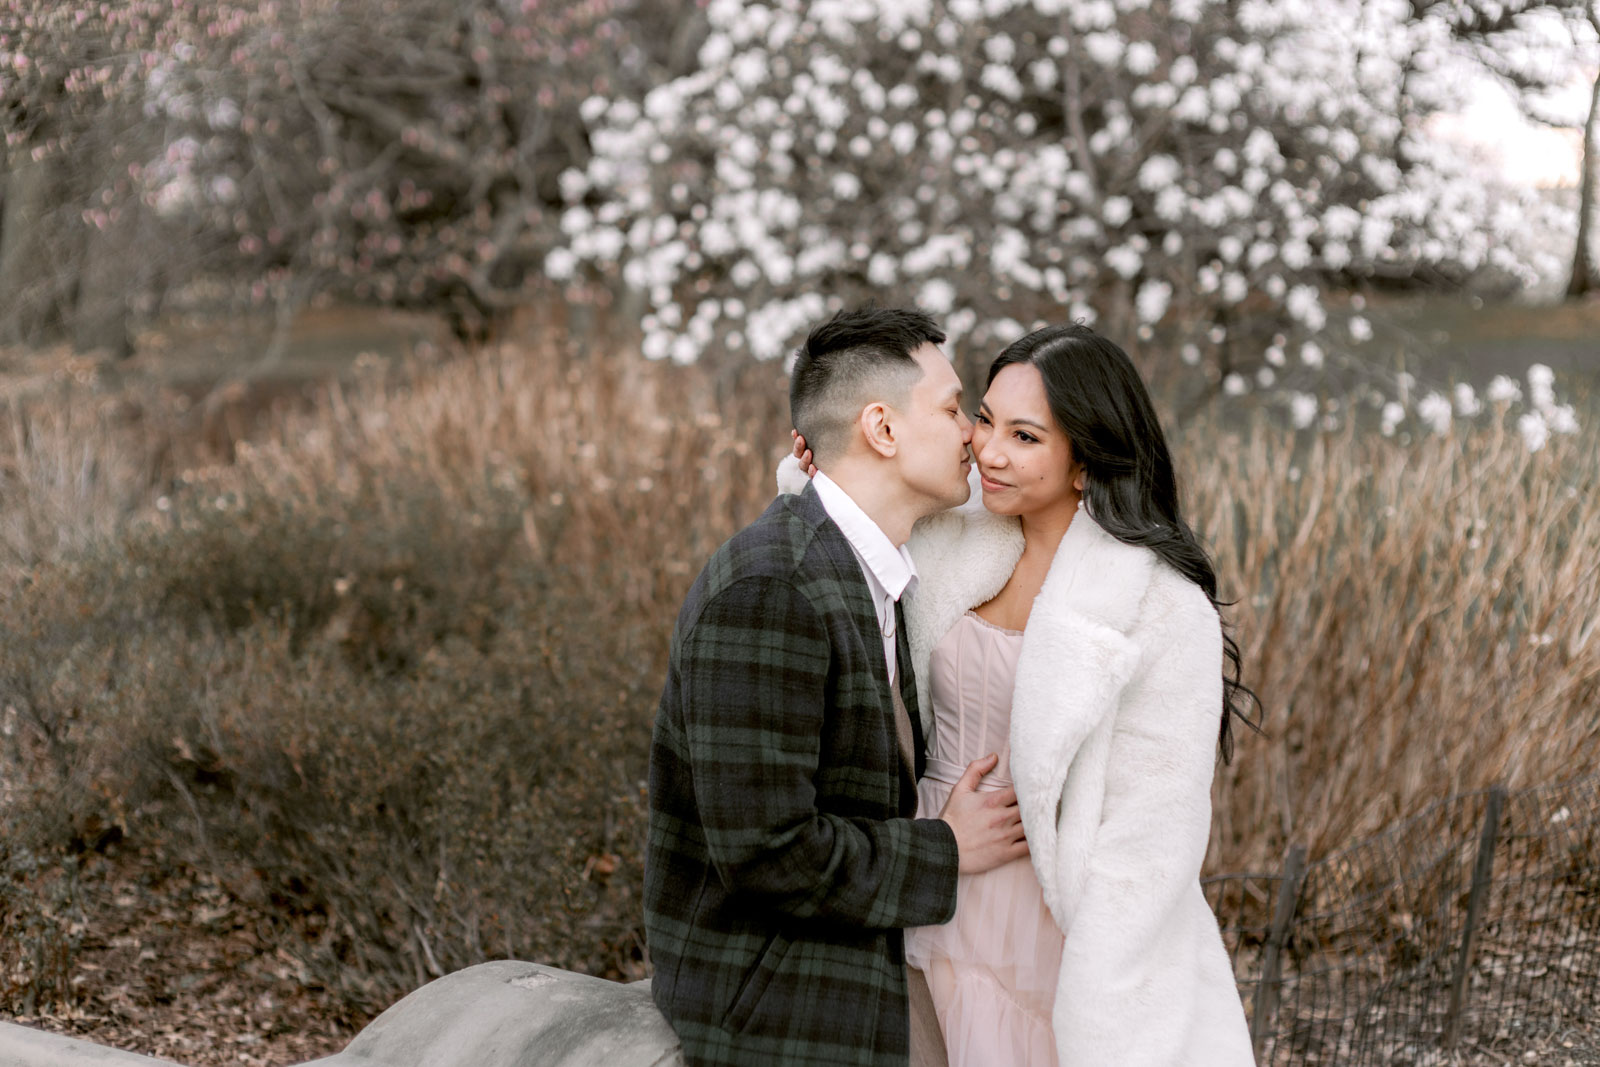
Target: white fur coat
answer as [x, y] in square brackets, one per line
[1113, 741]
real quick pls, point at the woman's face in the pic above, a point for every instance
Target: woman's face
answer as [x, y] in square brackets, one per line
[1024, 459]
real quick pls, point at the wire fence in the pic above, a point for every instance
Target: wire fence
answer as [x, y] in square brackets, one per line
[1474, 924]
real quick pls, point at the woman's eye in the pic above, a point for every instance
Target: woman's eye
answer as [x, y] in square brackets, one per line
[1027, 437]
[981, 417]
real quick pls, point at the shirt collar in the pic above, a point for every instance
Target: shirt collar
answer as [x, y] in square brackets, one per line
[892, 567]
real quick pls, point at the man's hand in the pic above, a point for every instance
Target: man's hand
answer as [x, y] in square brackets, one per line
[802, 453]
[988, 826]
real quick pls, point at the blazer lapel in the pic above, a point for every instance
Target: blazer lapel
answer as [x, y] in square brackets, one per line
[859, 597]
[851, 578]
[908, 690]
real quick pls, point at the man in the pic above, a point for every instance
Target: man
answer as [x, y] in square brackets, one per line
[783, 861]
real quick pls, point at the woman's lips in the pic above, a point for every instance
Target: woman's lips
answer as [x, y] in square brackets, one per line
[990, 485]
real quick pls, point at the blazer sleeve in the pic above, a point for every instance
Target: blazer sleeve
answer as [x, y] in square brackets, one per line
[753, 671]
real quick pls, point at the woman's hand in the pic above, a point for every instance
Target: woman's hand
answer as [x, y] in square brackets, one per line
[803, 454]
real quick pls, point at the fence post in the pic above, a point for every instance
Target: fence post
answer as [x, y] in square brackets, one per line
[1266, 1007]
[1482, 871]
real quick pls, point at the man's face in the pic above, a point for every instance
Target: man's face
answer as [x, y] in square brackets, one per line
[933, 433]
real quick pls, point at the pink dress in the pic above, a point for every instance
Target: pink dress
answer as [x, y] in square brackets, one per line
[992, 968]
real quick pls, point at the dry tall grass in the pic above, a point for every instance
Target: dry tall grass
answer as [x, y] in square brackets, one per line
[1418, 619]
[391, 667]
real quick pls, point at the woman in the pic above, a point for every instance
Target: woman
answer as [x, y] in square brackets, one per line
[1068, 620]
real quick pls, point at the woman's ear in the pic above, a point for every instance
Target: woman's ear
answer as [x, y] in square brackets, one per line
[1077, 481]
[878, 430]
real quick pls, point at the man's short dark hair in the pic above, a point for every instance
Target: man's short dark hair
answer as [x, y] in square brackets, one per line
[852, 360]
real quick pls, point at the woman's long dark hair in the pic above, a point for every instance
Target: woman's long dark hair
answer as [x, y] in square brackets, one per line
[1129, 487]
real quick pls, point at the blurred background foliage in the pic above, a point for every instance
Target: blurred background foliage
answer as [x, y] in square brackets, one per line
[402, 153]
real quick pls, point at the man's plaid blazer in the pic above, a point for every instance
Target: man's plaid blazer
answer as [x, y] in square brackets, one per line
[783, 862]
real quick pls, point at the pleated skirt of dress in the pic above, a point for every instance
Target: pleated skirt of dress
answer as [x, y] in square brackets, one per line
[992, 969]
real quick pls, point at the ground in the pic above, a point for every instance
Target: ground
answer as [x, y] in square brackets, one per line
[173, 967]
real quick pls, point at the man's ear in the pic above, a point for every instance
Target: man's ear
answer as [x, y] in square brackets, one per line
[877, 426]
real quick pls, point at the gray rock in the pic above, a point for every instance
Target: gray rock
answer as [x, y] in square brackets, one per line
[23, 1046]
[505, 1014]
[511, 1014]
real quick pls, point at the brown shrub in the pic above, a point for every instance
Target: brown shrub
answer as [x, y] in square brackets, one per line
[390, 673]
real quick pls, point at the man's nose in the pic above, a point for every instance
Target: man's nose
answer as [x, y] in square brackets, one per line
[966, 428]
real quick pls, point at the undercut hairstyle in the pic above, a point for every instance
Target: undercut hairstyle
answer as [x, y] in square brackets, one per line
[856, 358]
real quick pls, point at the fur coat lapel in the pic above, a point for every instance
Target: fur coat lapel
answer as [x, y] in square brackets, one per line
[1060, 720]
[964, 558]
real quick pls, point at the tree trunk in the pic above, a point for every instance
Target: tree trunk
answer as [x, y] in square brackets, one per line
[113, 268]
[32, 300]
[1586, 258]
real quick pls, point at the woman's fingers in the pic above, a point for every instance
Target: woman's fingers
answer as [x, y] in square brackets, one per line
[803, 454]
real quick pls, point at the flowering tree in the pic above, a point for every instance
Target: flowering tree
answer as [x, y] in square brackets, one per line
[1536, 47]
[71, 82]
[1198, 167]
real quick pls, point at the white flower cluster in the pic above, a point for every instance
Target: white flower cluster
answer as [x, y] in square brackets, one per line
[1541, 417]
[1005, 160]
[1544, 416]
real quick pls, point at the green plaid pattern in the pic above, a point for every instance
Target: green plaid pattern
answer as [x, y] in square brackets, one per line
[783, 861]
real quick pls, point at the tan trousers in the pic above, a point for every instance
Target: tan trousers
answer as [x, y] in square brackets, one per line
[927, 1040]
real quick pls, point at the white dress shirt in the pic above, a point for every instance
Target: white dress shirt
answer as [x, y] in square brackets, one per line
[889, 570]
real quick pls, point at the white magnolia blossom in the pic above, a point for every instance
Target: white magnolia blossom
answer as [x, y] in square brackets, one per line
[1390, 418]
[1303, 409]
[560, 263]
[1541, 386]
[1154, 296]
[1534, 430]
[1435, 411]
[1561, 419]
[937, 296]
[1504, 390]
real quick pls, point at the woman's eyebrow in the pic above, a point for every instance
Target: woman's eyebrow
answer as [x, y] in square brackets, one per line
[983, 409]
[1027, 422]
